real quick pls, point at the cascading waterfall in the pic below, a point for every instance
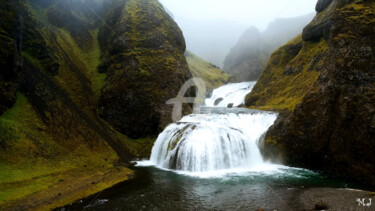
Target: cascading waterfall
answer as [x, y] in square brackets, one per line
[231, 93]
[217, 140]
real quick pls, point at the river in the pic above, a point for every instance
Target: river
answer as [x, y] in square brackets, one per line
[210, 160]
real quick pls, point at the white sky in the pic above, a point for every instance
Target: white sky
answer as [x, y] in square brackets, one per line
[248, 12]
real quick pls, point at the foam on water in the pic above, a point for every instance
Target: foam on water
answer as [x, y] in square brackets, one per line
[215, 144]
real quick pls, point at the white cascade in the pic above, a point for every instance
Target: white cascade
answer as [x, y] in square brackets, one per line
[207, 142]
[232, 93]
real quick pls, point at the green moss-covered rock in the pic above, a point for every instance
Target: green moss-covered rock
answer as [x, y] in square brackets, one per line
[145, 65]
[288, 76]
[332, 127]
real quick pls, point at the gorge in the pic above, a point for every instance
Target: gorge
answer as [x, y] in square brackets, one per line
[85, 122]
[211, 160]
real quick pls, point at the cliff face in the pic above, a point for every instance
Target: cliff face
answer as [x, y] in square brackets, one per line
[52, 94]
[330, 126]
[248, 58]
[145, 67]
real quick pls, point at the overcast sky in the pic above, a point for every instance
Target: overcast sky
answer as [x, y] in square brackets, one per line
[248, 12]
[207, 23]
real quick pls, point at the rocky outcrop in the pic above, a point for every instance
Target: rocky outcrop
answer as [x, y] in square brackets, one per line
[322, 5]
[332, 127]
[145, 65]
[247, 60]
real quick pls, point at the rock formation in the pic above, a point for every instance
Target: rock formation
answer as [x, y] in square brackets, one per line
[326, 94]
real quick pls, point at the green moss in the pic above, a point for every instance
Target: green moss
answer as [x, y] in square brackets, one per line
[212, 75]
[30, 158]
[33, 60]
[360, 13]
[86, 61]
[277, 90]
[140, 148]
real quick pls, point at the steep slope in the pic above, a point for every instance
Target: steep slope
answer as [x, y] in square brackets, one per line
[212, 75]
[54, 147]
[247, 59]
[329, 124]
[145, 67]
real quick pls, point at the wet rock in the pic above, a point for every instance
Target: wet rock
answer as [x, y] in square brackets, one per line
[230, 105]
[241, 106]
[316, 31]
[217, 101]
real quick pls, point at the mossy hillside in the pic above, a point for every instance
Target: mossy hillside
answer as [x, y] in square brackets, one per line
[52, 131]
[145, 68]
[212, 75]
[289, 75]
[78, 73]
[28, 153]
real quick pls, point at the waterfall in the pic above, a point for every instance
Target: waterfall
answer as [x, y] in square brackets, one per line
[231, 93]
[220, 139]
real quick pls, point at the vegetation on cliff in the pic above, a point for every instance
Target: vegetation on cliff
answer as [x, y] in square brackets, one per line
[50, 87]
[211, 74]
[145, 66]
[329, 121]
[288, 76]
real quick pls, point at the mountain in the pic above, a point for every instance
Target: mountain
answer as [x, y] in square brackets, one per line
[83, 86]
[211, 74]
[323, 84]
[247, 59]
[210, 39]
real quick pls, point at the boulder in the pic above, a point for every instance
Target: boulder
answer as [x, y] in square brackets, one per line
[217, 101]
[322, 5]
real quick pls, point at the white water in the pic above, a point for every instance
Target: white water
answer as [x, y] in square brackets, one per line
[215, 142]
[231, 93]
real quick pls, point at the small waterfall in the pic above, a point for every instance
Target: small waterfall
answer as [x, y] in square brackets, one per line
[231, 93]
[220, 139]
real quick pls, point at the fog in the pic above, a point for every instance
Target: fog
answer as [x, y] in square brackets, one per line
[212, 27]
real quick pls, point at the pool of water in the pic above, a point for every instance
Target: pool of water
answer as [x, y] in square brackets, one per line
[276, 188]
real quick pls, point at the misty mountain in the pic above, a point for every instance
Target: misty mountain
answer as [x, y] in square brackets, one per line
[247, 59]
[211, 40]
